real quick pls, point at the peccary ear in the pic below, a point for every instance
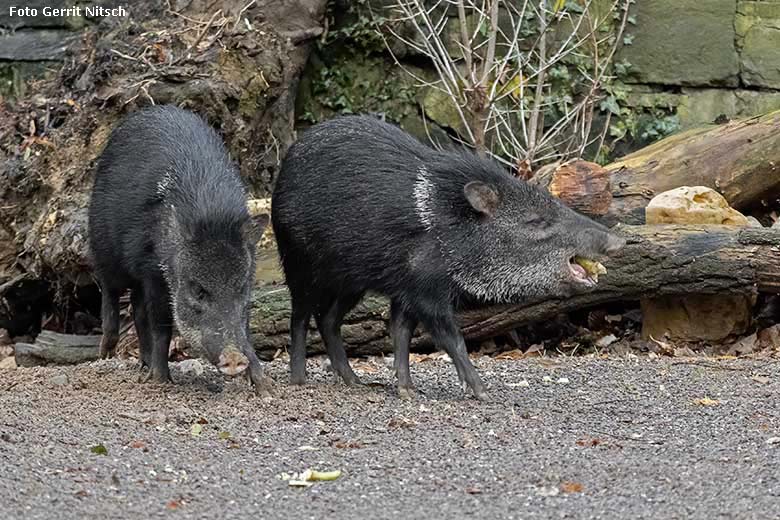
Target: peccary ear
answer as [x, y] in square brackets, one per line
[254, 227]
[176, 228]
[482, 197]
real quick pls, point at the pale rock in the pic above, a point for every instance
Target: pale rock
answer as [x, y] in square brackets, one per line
[8, 363]
[606, 341]
[695, 317]
[692, 205]
[59, 379]
[191, 366]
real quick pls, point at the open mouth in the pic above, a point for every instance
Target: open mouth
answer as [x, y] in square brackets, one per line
[585, 271]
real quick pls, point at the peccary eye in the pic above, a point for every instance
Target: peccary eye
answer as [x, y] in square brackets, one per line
[535, 221]
[198, 291]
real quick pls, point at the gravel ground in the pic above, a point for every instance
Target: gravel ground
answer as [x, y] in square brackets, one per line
[563, 438]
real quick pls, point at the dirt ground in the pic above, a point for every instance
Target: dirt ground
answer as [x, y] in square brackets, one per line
[562, 438]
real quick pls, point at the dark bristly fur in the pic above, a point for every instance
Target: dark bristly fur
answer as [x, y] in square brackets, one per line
[362, 206]
[168, 219]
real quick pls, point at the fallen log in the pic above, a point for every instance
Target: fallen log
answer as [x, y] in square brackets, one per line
[739, 159]
[657, 261]
[52, 348]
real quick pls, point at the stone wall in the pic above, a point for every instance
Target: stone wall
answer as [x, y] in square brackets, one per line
[701, 59]
[29, 45]
[705, 58]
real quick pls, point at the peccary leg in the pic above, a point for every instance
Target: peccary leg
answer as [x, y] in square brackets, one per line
[142, 330]
[158, 314]
[299, 325]
[262, 383]
[402, 327]
[446, 334]
[109, 311]
[329, 325]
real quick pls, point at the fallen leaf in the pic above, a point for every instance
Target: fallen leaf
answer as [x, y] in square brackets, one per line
[760, 379]
[773, 440]
[589, 442]
[308, 477]
[473, 490]
[223, 435]
[366, 368]
[159, 53]
[745, 346]
[548, 491]
[422, 358]
[99, 449]
[706, 401]
[523, 170]
[173, 504]
[196, 430]
[137, 444]
[770, 337]
[571, 487]
[685, 352]
[343, 445]
[520, 384]
[535, 350]
[202, 421]
[511, 354]
[400, 422]
[324, 476]
[666, 348]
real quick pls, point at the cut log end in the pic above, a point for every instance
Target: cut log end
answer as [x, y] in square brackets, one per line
[581, 185]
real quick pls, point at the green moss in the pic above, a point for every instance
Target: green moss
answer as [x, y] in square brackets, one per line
[351, 85]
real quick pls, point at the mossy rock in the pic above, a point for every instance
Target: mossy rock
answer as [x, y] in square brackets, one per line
[683, 42]
[758, 36]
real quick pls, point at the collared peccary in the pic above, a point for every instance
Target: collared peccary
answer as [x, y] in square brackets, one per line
[168, 220]
[360, 206]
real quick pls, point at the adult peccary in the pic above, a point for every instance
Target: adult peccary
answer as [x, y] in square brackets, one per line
[168, 220]
[360, 206]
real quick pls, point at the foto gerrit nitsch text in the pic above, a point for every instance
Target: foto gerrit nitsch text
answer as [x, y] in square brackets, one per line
[80, 10]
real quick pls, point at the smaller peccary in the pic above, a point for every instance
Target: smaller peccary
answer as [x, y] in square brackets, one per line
[361, 206]
[168, 220]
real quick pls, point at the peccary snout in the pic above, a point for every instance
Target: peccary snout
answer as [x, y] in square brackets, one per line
[232, 362]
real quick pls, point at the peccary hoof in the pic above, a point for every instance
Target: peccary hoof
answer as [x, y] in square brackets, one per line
[298, 379]
[264, 387]
[482, 396]
[480, 392]
[406, 393]
[155, 376]
[351, 379]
